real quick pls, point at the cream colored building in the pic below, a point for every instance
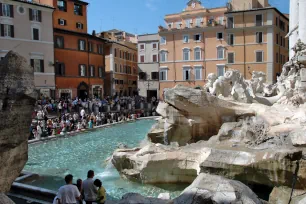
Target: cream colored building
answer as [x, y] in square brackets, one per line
[26, 28]
[245, 35]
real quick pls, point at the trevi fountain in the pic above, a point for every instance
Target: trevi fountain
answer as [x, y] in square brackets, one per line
[233, 141]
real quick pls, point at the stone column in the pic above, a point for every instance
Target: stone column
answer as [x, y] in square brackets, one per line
[302, 20]
[293, 21]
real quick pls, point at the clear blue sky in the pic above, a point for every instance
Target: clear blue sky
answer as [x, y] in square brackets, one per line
[144, 16]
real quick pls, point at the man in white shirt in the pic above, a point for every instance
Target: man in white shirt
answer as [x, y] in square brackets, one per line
[82, 113]
[90, 190]
[69, 193]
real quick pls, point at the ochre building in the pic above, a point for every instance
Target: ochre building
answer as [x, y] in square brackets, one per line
[244, 35]
[79, 57]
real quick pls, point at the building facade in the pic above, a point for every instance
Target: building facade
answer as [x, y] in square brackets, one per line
[148, 65]
[79, 57]
[26, 28]
[198, 41]
[119, 35]
[121, 68]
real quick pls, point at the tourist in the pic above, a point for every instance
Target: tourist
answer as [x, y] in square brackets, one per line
[101, 195]
[90, 124]
[69, 193]
[82, 113]
[89, 189]
[79, 185]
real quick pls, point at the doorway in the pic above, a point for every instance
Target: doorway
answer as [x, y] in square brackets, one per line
[151, 93]
[83, 91]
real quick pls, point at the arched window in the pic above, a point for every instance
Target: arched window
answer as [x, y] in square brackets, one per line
[197, 53]
[186, 54]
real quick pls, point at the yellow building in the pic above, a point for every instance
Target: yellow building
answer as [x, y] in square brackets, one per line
[121, 68]
[247, 36]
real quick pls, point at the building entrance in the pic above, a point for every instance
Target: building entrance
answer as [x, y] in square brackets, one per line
[83, 91]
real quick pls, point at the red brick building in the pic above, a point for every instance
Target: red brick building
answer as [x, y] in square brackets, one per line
[79, 58]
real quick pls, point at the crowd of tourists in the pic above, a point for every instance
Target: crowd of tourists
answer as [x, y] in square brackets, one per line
[52, 117]
[89, 191]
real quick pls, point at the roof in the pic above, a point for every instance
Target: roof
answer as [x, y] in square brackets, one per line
[58, 30]
[34, 3]
[116, 31]
[112, 41]
[81, 2]
[182, 12]
[148, 34]
[259, 9]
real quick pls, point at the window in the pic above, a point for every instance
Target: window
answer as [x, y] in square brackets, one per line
[284, 42]
[230, 22]
[154, 75]
[115, 52]
[100, 72]
[134, 70]
[60, 69]
[35, 34]
[154, 58]
[185, 38]
[142, 58]
[219, 36]
[82, 45]
[163, 75]
[186, 74]
[281, 40]
[277, 39]
[198, 22]
[282, 25]
[162, 40]
[120, 68]
[92, 71]
[220, 70]
[197, 53]
[281, 58]
[141, 46]
[197, 37]
[7, 30]
[220, 52]
[116, 68]
[154, 45]
[221, 20]
[230, 39]
[38, 65]
[82, 70]
[198, 73]
[61, 21]
[163, 56]
[100, 49]
[276, 21]
[187, 23]
[120, 54]
[142, 76]
[259, 37]
[79, 25]
[78, 9]
[259, 56]
[259, 21]
[230, 58]
[178, 25]
[61, 5]
[277, 58]
[7, 10]
[186, 54]
[90, 48]
[35, 15]
[59, 42]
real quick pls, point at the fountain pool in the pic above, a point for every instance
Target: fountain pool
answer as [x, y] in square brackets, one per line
[78, 154]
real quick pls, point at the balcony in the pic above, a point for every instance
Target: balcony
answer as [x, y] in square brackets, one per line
[207, 24]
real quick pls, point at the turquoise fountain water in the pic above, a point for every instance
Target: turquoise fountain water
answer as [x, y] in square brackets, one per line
[76, 155]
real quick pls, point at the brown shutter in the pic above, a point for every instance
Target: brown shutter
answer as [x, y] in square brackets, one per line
[85, 46]
[59, 21]
[2, 30]
[76, 25]
[42, 66]
[79, 70]
[12, 11]
[63, 69]
[12, 31]
[0, 9]
[65, 22]
[94, 71]
[85, 70]
[79, 47]
[30, 15]
[39, 16]
[82, 26]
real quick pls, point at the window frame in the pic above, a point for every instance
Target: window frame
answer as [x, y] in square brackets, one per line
[8, 30]
[60, 7]
[228, 62]
[80, 7]
[188, 39]
[229, 39]
[217, 36]
[160, 56]
[62, 22]
[223, 49]
[153, 57]
[196, 49]
[262, 56]
[156, 44]
[165, 40]
[163, 70]
[62, 40]
[198, 21]
[186, 49]
[9, 14]
[200, 37]
[144, 58]
[186, 69]
[82, 65]
[261, 19]
[233, 25]
[33, 36]
[80, 48]
[218, 66]
[198, 68]
[257, 38]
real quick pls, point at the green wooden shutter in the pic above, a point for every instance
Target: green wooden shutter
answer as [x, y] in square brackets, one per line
[12, 11]
[30, 15]
[42, 66]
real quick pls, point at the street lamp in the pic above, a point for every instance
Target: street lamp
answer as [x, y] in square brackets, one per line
[149, 82]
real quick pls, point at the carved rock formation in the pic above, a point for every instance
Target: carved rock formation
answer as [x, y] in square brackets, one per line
[17, 99]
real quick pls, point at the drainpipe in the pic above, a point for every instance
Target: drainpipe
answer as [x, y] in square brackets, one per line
[174, 59]
[244, 49]
[204, 55]
[89, 70]
[103, 69]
